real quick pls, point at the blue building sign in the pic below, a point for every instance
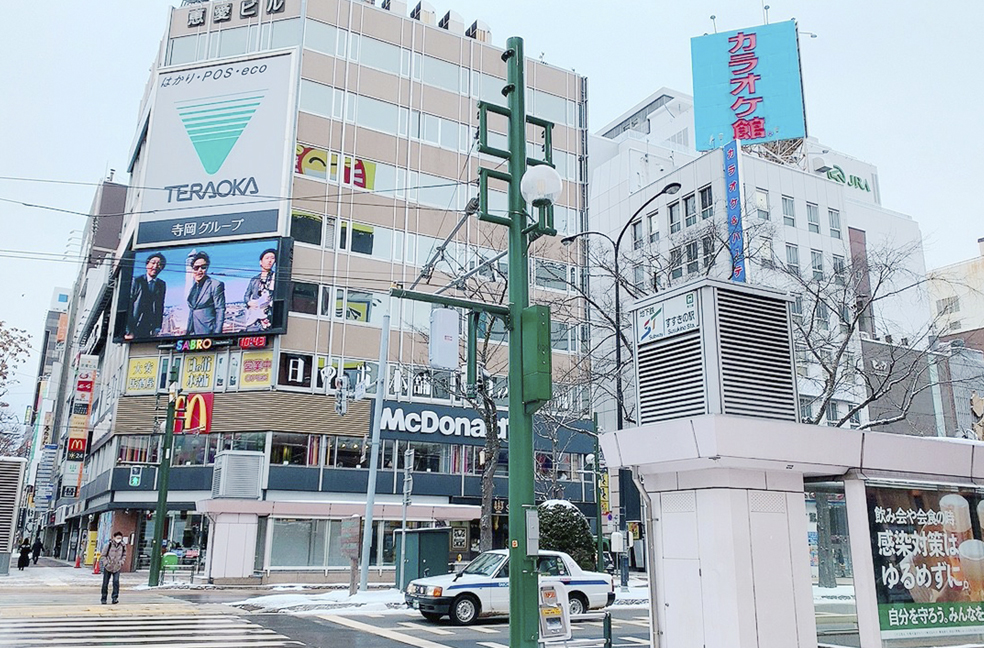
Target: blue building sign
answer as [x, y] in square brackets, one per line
[747, 86]
[736, 235]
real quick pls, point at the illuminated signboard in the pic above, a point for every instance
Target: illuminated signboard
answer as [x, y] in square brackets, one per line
[218, 147]
[747, 86]
[194, 414]
[204, 291]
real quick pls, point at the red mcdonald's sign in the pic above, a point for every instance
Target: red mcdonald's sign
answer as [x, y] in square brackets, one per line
[194, 414]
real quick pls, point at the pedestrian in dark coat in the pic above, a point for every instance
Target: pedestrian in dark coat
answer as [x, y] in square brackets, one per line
[25, 555]
[36, 549]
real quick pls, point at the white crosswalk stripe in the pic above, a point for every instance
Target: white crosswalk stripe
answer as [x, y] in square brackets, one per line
[205, 631]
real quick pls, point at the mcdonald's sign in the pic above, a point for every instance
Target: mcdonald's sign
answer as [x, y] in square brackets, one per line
[193, 414]
[76, 449]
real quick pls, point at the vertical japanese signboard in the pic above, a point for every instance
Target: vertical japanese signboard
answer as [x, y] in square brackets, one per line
[736, 235]
[747, 86]
[218, 150]
[929, 561]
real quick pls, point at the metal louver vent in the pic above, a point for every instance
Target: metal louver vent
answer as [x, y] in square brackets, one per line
[237, 474]
[11, 477]
[671, 379]
[756, 367]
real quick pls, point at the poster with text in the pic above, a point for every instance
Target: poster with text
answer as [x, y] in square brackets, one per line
[928, 550]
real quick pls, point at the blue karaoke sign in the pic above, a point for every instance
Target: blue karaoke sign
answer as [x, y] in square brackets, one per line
[736, 236]
[747, 86]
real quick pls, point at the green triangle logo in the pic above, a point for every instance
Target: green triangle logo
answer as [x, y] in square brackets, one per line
[215, 124]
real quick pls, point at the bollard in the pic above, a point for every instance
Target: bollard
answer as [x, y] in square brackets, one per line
[607, 623]
[95, 563]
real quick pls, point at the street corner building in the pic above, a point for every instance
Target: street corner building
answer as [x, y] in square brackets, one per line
[291, 162]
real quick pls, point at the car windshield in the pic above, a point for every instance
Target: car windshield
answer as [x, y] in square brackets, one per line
[485, 565]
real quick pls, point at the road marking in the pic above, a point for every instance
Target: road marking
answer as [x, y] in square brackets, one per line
[641, 624]
[636, 640]
[645, 618]
[384, 632]
[375, 616]
[484, 630]
[141, 632]
[430, 629]
[492, 644]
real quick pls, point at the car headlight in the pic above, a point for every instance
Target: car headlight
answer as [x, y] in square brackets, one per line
[433, 590]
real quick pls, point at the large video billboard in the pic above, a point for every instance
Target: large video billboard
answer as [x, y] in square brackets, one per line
[747, 86]
[928, 550]
[204, 290]
[218, 151]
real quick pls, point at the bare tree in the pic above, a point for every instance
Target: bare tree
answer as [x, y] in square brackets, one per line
[14, 349]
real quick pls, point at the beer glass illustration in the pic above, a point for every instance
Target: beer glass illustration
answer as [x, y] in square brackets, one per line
[972, 565]
[957, 527]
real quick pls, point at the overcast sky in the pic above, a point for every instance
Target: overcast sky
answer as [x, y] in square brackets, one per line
[895, 83]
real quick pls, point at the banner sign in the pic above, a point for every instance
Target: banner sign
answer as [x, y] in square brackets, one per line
[218, 145]
[736, 234]
[929, 561]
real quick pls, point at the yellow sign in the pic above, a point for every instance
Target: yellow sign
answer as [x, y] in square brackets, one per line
[257, 369]
[198, 372]
[605, 503]
[90, 548]
[141, 375]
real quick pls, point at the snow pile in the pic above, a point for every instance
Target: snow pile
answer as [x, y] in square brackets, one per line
[336, 602]
[557, 502]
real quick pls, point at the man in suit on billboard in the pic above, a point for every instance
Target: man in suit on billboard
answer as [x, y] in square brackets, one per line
[206, 299]
[146, 312]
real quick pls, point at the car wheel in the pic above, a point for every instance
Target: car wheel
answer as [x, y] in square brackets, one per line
[433, 617]
[464, 610]
[579, 605]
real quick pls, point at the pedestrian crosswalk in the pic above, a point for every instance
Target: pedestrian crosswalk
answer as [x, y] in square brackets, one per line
[191, 631]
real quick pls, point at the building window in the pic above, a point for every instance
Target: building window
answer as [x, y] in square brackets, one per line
[788, 211]
[292, 449]
[298, 543]
[137, 449]
[855, 417]
[306, 228]
[845, 318]
[821, 316]
[639, 277]
[792, 259]
[706, 203]
[835, 223]
[816, 260]
[806, 409]
[638, 237]
[832, 417]
[767, 253]
[948, 305]
[690, 210]
[674, 217]
[676, 263]
[813, 217]
[955, 325]
[653, 219]
[762, 204]
[693, 259]
[839, 270]
[709, 251]
[797, 308]
[304, 298]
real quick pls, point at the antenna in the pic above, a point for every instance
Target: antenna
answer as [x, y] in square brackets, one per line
[765, 12]
[714, 22]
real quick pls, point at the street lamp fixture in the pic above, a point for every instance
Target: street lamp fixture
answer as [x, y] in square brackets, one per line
[541, 185]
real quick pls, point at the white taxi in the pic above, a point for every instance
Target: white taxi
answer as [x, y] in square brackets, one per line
[481, 589]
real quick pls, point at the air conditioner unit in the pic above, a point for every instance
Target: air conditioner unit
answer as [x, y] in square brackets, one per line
[452, 22]
[479, 31]
[424, 12]
[820, 165]
[11, 483]
[238, 474]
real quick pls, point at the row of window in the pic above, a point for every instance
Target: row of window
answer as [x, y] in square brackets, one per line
[789, 214]
[833, 413]
[336, 451]
[681, 213]
[369, 52]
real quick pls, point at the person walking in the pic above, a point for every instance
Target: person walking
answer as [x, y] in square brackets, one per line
[113, 556]
[25, 555]
[36, 549]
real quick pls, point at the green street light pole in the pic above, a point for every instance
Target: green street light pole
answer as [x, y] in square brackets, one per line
[163, 476]
[523, 595]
